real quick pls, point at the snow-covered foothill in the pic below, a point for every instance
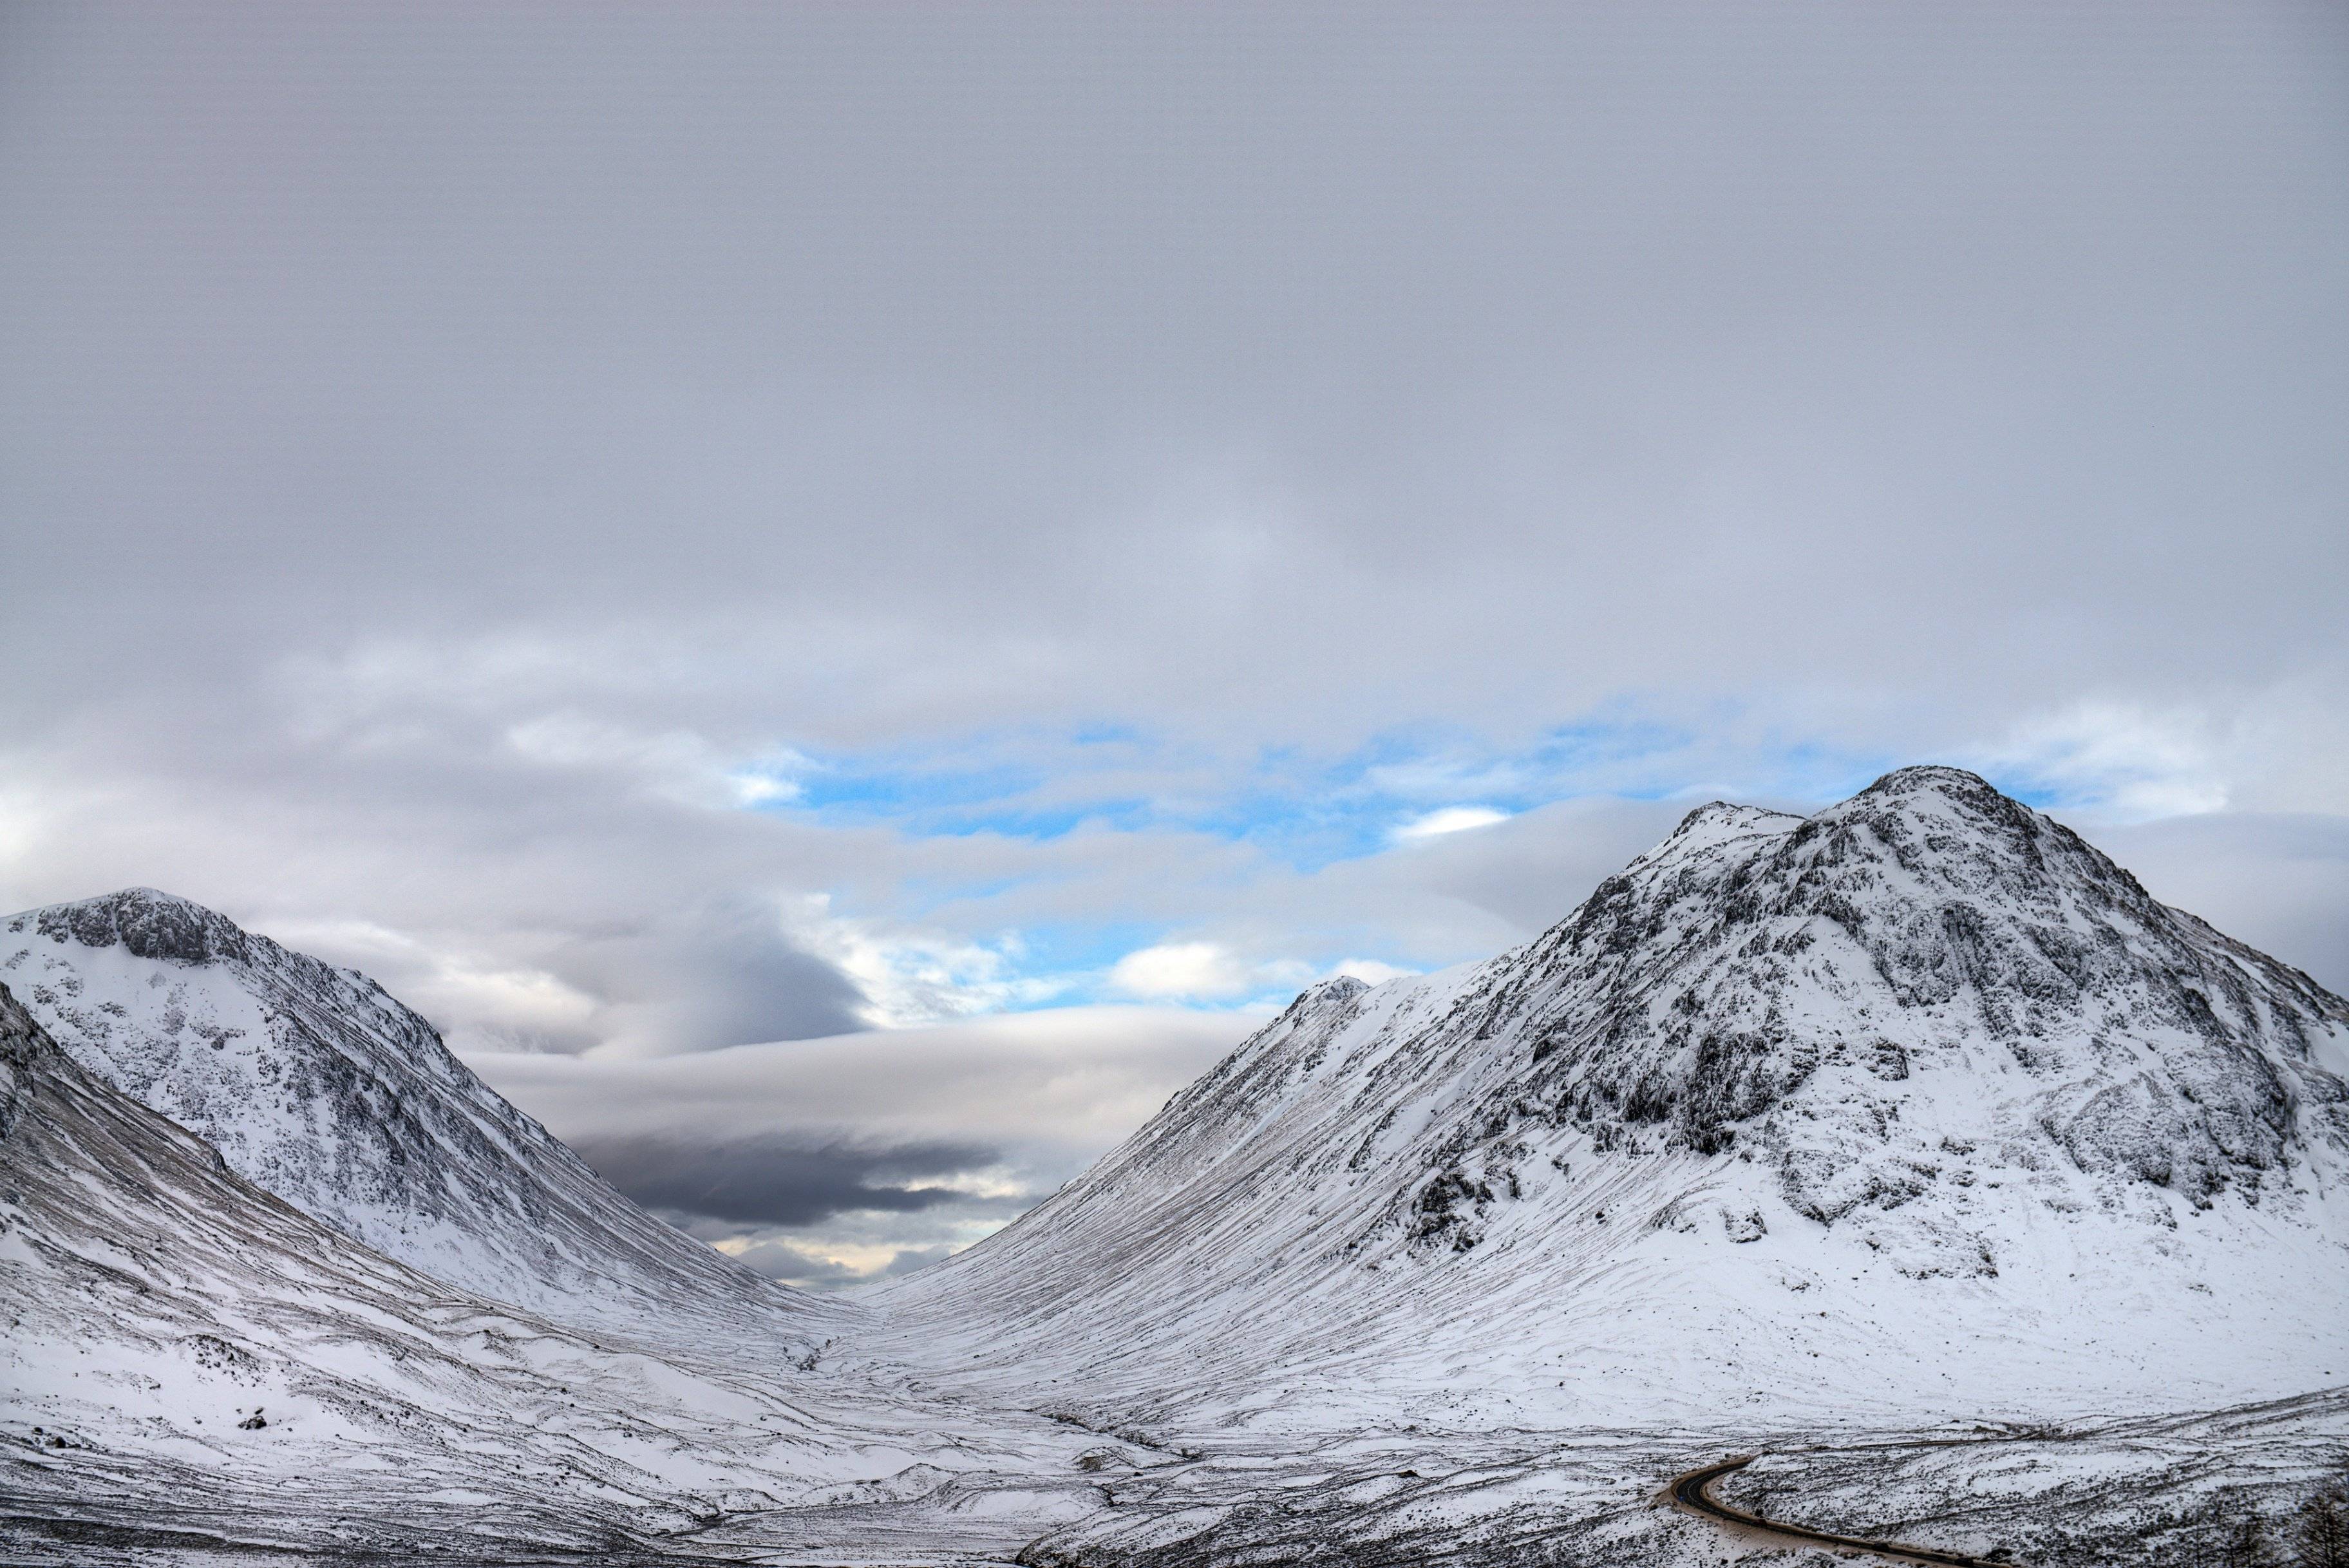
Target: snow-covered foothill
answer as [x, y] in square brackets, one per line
[315, 1085]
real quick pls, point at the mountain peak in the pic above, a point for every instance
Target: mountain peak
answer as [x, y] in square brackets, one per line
[1940, 832]
[1715, 824]
[1337, 987]
[1935, 793]
[1931, 778]
[151, 923]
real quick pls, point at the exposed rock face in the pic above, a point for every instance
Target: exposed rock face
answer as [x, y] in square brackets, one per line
[314, 1083]
[1927, 1041]
[1784, 982]
[149, 924]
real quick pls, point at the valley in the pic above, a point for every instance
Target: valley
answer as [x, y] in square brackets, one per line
[1911, 1145]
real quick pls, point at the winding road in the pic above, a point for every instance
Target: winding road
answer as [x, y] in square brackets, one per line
[1693, 1493]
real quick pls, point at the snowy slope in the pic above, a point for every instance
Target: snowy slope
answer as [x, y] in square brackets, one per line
[1918, 1108]
[319, 1087]
[157, 1303]
[190, 1362]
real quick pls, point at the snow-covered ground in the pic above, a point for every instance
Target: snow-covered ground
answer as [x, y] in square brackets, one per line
[2147, 1492]
[1910, 1142]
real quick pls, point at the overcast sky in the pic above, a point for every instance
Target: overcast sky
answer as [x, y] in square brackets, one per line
[969, 550]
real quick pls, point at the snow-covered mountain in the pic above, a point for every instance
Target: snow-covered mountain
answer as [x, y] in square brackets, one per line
[193, 1370]
[195, 1373]
[1917, 1108]
[319, 1087]
[1877, 1139]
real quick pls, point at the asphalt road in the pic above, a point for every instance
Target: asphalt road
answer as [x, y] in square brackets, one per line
[1693, 1493]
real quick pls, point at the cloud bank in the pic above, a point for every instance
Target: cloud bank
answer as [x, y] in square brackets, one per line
[823, 1160]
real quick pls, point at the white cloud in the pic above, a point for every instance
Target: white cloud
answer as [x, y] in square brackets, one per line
[1448, 819]
[2274, 880]
[754, 788]
[2123, 761]
[1447, 775]
[1200, 969]
[910, 976]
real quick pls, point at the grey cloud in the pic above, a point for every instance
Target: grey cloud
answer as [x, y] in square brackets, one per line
[955, 366]
[2277, 881]
[815, 375]
[1044, 1091]
[898, 1144]
[778, 1182]
[1527, 874]
[779, 1260]
[707, 978]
